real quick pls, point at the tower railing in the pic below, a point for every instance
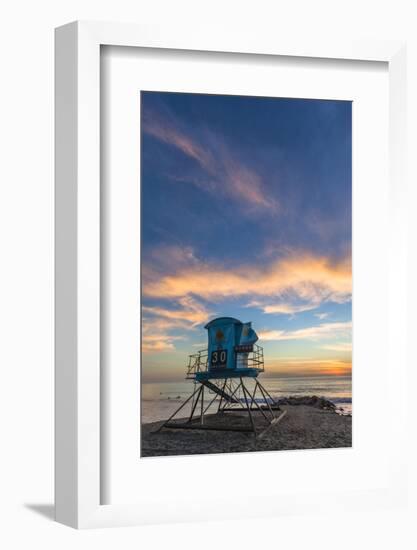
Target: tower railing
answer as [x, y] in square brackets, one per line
[256, 358]
[198, 362]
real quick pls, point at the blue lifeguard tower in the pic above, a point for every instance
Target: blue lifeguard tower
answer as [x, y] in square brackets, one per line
[225, 371]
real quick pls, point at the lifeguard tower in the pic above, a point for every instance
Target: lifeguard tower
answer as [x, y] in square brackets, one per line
[225, 377]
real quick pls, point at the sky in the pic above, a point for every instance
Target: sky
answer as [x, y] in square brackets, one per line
[246, 212]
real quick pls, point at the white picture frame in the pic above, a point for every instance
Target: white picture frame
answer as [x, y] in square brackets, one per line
[77, 242]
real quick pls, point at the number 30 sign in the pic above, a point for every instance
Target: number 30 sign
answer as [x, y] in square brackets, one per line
[219, 358]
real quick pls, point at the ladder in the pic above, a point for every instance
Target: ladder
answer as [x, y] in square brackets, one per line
[219, 391]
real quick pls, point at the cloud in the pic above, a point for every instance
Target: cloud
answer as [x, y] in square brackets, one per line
[288, 308]
[323, 331]
[283, 308]
[321, 316]
[342, 346]
[158, 322]
[245, 185]
[224, 173]
[308, 278]
[158, 342]
[167, 133]
[165, 257]
[190, 313]
[160, 345]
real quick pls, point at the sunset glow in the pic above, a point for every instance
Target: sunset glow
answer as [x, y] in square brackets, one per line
[246, 212]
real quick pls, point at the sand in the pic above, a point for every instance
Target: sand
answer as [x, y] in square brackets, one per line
[302, 427]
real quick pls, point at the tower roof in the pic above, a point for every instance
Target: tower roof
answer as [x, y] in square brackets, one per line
[222, 321]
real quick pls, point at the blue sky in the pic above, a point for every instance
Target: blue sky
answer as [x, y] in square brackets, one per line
[246, 211]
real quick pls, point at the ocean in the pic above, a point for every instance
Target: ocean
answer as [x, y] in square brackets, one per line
[160, 400]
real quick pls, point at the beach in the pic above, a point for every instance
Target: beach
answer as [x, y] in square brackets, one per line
[302, 427]
[160, 400]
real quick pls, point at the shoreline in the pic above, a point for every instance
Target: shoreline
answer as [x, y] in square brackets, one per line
[157, 410]
[315, 425]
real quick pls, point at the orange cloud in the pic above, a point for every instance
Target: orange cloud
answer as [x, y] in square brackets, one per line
[309, 278]
[157, 322]
[157, 342]
[191, 313]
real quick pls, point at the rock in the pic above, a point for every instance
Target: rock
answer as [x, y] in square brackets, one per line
[310, 400]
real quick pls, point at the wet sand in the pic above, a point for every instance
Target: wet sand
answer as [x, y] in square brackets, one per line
[302, 427]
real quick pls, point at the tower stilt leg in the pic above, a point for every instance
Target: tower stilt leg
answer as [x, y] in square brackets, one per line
[266, 401]
[248, 407]
[178, 410]
[202, 406]
[194, 405]
[234, 396]
[253, 400]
